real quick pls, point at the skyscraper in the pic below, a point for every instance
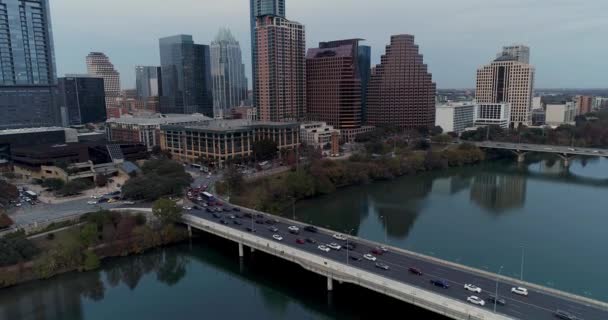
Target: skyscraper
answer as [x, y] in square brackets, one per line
[401, 91]
[260, 8]
[27, 65]
[519, 52]
[281, 63]
[365, 63]
[148, 82]
[333, 84]
[99, 64]
[83, 99]
[228, 73]
[186, 76]
[508, 79]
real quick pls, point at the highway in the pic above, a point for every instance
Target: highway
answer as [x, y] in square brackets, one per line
[526, 147]
[538, 305]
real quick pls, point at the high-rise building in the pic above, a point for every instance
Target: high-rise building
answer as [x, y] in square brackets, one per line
[227, 73]
[508, 79]
[281, 75]
[583, 104]
[148, 82]
[27, 65]
[401, 90]
[333, 84]
[82, 99]
[519, 52]
[186, 76]
[98, 64]
[365, 62]
[259, 8]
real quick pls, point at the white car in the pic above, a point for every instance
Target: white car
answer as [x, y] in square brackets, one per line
[92, 202]
[369, 257]
[187, 208]
[334, 246]
[339, 237]
[472, 288]
[520, 291]
[476, 300]
[129, 202]
[323, 248]
[293, 229]
[384, 249]
[277, 237]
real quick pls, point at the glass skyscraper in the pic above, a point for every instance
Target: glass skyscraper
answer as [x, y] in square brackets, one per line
[228, 73]
[365, 64]
[186, 76]
[260, 8]
[83, 99]
[27, 65]
[148, 82]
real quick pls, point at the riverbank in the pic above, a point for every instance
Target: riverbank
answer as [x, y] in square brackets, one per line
[81, 246]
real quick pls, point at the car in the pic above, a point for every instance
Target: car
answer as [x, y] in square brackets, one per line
[259, 222]
[440, 283]
[236, 209]
[219, 204]
[472, 288]
[324, 248]
[250, 229]
[223, 221]
[237, 222]
[200, 199]
[300, 241]
[355, 258]
[339, 237]
[217, 216]
[369, 257]
[103, 200]
[187, 208]
[196, 207]
[415, 271]
[259, 215]
[226, 210]
[18, 205]
[204, 204]
[499, 301]
[520, 291]
[350, 246]
[218, 209]
[209, 210]
[273, 229]
[311, 240]
[384, 249]
[294, 229]
[248, 215]
[382, 266]
[277, 237]
[334, 246]
[377, 251]
[476, 300]
[88, 202]
[565, 315]
[311, 229]
[232, 216]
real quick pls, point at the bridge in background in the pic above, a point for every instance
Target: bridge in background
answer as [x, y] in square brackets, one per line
[521, 149]
[349, 266]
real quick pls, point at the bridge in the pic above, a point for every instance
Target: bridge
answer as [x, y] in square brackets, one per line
[349, 266]
[521, 149]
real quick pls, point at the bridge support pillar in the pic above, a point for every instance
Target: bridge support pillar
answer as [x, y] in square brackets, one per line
[330, 284]
[521, 157]
[567, 159]
[241, 251]
[189, 231]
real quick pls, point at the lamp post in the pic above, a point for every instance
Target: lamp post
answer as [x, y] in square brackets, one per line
[496, 296]
[521, 272]
[347, 238]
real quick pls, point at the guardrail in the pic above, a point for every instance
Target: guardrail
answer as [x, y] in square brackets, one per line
[335, 270]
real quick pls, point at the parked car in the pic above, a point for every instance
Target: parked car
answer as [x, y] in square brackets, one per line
[476, 300]
[520, 291]
[472, 288]
[440, 283]
[415, 271]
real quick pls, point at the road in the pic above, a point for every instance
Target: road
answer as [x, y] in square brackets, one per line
[523, 147]
[537, 306]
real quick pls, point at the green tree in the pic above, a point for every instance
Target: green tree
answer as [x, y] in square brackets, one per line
[75, 187]
[91, 261]
[234, 179]
[159, 178]
[436, 130]
[442, 139]
[166, 211]
[265, 150]
[89, 235]
[300, 184]
[53, 184]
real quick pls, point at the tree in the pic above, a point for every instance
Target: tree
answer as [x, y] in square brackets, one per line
[75, 187]
[166, 211]
[264, 150]
[101, 180]
[436, 130]
[159, 178]
[53, 183]
[88, 235]
[91, 260]
[442, 139]
[5, 221]
[234, 179]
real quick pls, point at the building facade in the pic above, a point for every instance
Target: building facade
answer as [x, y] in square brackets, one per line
[558, 114]
[99, 64]
[148, 82]
[219, 141]
[227, 73]
[519, 52]
[259, 8]
[508, 79]
[186, 76]
[281, 69]
[493, 114]
[322, 136]
[82, 99]
[455, 117]
[28, 76]
[365, 72]
[583, 104]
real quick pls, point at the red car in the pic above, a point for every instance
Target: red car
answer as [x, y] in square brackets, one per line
[219, 204]
[300, 241]
[377, 251]
[415, 271]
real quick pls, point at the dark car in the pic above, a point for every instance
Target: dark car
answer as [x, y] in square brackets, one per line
[209, 210]
[377, 251]
[226, 210]
[250, 229]
[273, 229]
[236, 209]
[248, 215]
[259, 215]
[415, 271]
[269, 221]
[500, 301]
[350, 246]
[196, 207]
[237, 222]
[300, 241]
[223, 221]
[440, 283]
[259, 222]
[215, 215]
[355, 258]
[310, 240]
[311, 229]
[382, 266]
[565, 315]
[103, 200]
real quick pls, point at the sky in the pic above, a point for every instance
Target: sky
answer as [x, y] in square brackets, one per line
[568, 38]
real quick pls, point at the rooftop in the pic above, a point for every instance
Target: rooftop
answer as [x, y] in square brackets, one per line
[30, 130]
[234, 125]
[160, 119]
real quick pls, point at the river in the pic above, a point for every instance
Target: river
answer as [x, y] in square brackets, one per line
[485, 216]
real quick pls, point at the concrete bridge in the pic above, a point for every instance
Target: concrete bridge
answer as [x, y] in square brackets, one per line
[521, 149]
[349, 266]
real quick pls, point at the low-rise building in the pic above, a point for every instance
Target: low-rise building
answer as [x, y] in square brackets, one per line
[493, 114]
[146, 129]
[558, 114]
[455, 117]
[321, 136]
[215, 142]
[538, 117]
[27, 137]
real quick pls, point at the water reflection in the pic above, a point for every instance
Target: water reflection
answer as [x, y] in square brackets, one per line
[498, 193]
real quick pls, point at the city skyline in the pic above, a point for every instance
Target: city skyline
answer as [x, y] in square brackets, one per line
[132, 36]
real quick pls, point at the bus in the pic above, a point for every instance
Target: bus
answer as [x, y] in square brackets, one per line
[208, 196]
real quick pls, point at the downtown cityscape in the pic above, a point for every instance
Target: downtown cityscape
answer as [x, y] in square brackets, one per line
[283, 178]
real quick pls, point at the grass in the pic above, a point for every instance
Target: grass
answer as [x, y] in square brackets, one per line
[60, 237]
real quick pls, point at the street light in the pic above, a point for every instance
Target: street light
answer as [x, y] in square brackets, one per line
[347, 238]
[496, 296]
[521, 272]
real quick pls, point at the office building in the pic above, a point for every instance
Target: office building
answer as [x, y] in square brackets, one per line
[27, 65]
[401, 91]
[186, 76]
[455, 117]
[558, 114]
[218, 141]
[493, 114]
[508, 79]
[321, 136]
[29, 137]
[539, 117]
[599, 103]
[82, 99]
[259, 8]
[98, 64]
[148, 82]
[281, 69]
[583, 104]
[365, 61]
[227, 73]
[518, 52]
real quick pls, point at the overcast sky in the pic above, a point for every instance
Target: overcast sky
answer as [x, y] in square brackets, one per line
[568, 38]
